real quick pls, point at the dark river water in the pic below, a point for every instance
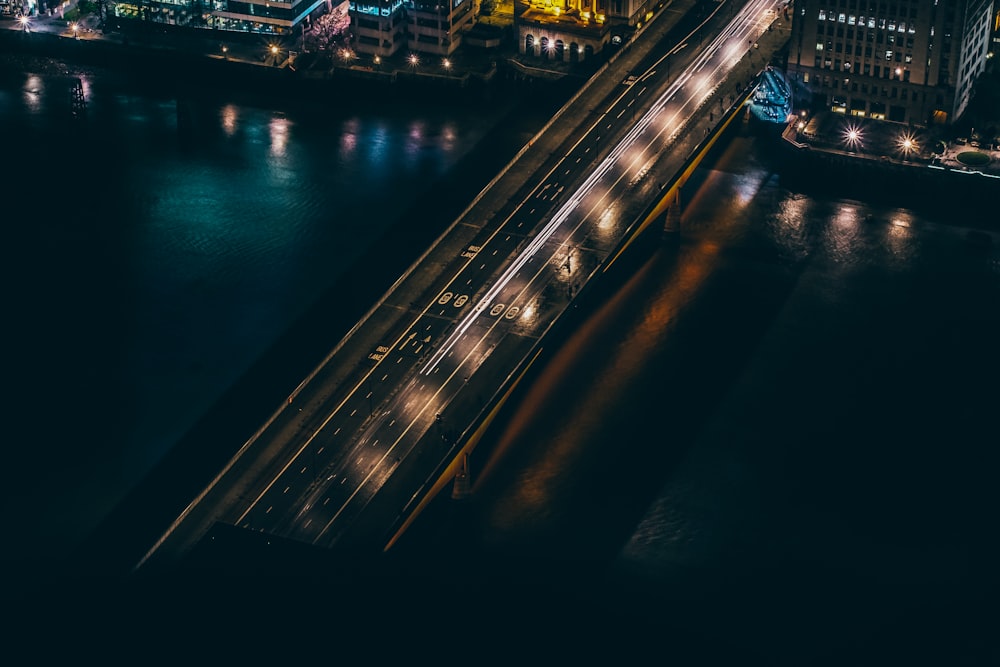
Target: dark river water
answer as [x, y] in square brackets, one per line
[160, 242]
[774, 442]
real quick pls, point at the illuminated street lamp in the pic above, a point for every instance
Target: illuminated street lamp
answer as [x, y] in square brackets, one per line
[225, 52]
[907, 144]
[75, 27]
[446, 64]
[852, 137]
[24, 23]
[413, 60]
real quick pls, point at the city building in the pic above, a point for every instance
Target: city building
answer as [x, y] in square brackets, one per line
[574, 30]
[996, 29]
[909, 61]
[434, 27]
[272, 17]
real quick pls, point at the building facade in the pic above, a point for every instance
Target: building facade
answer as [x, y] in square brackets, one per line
[911, 61]
[434, 27]
[271, 17]
[574, 30]
[378, 26]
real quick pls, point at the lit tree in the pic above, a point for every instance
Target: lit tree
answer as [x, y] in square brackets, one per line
[330, 29]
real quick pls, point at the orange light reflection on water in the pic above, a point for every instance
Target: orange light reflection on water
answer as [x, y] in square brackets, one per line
[562, 454]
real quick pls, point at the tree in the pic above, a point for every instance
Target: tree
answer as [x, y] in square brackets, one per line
[330, 29]
[103, 10]
[99, 8]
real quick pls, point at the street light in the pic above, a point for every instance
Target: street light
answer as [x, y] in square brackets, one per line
[24, 23]
[853, 137]
[446, 64]
[75, 27]
[413, 60]
[907, 143]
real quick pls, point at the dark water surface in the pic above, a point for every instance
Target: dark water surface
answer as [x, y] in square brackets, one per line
[160, 242]
[773, 444]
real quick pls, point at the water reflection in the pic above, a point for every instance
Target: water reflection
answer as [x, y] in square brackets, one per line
[735, 367]
[191, 258]
[788, 226]
[842, 237]
[349, 138]
[415, 143]
[279, 136]
[230, 115]
[899, 237]
[34, 89]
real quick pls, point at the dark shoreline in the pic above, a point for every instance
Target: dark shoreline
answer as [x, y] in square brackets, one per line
[195, 71]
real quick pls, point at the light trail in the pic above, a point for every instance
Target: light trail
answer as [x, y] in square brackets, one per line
[737, 28]
[740, 25]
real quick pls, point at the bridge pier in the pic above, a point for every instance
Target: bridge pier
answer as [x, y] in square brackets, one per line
[672, 218]
[463, 480]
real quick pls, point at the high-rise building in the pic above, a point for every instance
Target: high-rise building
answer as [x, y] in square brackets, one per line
[909, 61]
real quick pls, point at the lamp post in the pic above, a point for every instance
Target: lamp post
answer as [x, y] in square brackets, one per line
[24, 23]
[76, 30]
[852, 137]
[907, 144]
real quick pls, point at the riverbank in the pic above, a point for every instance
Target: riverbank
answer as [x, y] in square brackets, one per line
[238, 62]
[887, 162]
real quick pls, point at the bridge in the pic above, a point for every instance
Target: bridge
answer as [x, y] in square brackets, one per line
[389, 419]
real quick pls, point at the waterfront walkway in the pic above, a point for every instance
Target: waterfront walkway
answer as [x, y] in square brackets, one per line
[887, 141]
